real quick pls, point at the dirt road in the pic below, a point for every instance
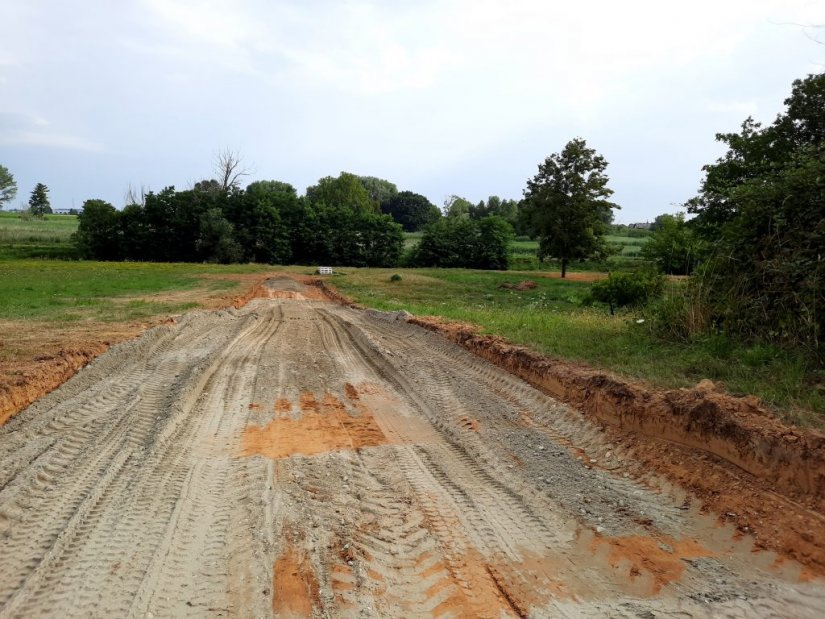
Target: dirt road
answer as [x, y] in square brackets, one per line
[298, 458]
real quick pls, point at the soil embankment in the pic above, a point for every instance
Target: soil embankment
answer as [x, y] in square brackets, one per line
[38, 357]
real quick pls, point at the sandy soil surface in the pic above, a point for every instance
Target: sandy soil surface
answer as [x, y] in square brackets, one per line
[299, 458]
[38, 356]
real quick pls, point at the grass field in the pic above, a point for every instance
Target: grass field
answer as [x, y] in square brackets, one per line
[551, 320]
[70, 291]
[523, 255]
[33, 238]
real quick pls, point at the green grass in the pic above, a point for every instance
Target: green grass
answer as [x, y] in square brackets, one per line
[33, 238]
[78, 290]
[551, 320]
[523, 255]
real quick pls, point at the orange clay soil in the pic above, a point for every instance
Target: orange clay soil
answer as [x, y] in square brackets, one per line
[662, 559]
[295, 590]
[322, 427]
[37, 357]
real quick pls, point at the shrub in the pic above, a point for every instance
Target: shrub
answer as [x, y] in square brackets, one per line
[456, 242]
[627, 289]
[395, 277]
[683, 313]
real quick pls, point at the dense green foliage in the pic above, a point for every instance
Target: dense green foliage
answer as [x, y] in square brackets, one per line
[346, 192]
[378, 189]
[673, 245]
[336, 223]
[39, 205]
[627, 289]
[412, 210]
[566, 204]
[762, 207]
[8, 186]
[462, 242]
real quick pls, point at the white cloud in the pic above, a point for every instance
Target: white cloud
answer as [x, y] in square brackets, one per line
[50, 140]
[466, 92]
[25, 129]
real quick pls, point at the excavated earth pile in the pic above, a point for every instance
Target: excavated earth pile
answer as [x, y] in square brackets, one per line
[295, 457]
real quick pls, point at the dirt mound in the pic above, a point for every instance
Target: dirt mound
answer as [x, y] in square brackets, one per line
[527, 284]
[48, 373]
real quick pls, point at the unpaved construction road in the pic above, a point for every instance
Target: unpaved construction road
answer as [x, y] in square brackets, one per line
[298, 458]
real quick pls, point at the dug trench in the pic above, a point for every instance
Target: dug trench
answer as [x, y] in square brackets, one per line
[297, 457]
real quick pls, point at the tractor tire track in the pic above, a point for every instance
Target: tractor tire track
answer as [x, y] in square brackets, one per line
[298, 458]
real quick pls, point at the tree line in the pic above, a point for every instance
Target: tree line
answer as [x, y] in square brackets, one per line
[336, 222]
[347, 220]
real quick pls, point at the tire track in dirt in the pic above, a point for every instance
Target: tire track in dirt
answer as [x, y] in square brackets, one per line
[295, 457]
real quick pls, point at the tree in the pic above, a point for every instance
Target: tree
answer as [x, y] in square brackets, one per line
[493, 249]
[39, 201]
[228, 167]
[449, 242]
[673, 246]
[8, 186]
[566, 204]
[216, 239]
[98, 231]
[345, 192]
[412, 210]
[761, 208]
[456, 206]
[461, 242]
[379, 190]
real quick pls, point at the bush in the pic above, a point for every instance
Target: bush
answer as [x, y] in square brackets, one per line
[673, 246]
[457, 242]
[683, 313]
[627, 289]
[395, 277]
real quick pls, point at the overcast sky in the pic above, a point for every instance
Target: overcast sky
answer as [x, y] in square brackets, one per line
[438, 96]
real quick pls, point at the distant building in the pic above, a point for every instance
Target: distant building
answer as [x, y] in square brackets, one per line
[65, 211]
[645, 226]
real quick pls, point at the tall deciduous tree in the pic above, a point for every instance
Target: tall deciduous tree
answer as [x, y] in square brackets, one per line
[98, 231]
[230, 169]
[345, 192]
[379, 190]
[39, 201]
[566, 204]
[412, 210]
[456, 206]
[8, 186]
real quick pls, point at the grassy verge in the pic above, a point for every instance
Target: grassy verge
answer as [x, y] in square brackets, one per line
[34, 238]
[551, 320]
[68, 291]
